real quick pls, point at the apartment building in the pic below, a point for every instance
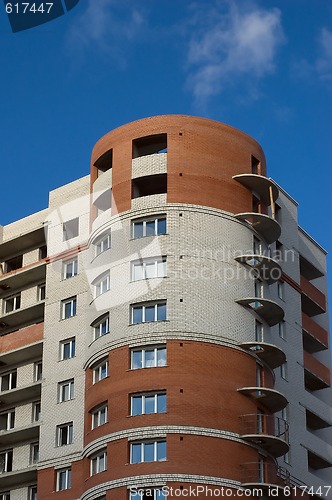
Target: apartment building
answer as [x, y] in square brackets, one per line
[164, 326]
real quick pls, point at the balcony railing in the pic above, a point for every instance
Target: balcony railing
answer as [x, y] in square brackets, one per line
[266, 431]
[256, 474]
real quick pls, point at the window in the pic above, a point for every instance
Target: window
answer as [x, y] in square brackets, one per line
[13, 264]
[280, 290]
[32, 493]
[5, 495]
[41, 292]
[143, 404]
[98, 462]
[12, 303]
[7, 420]
[282, 330]
[258, 331]
[278, 213]
[148, 268]
[36, 409]
[8, 381]
[64, 434]
[6, 461]
[99, 415]
[257, 246]
[101, 326]
[283, 371]
[66, 390]
[63, 479]
[148, 357]
[70, 229]
[38, 371]
[144, 313]
[149, 227]
[255, 166]
[259, 289]
[279, 251]
[68, 308]
[42, 252]
[102, 244]
[67, 348]
[148, 451]
[69, 268]
[102, 284]
[100, 371]
[150, 144]
[147, 494]
[34, 453]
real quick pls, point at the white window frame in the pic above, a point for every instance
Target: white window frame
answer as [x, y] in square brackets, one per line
[154, 219]
[73, 307]
[143, 350]
[33, 448]
[98, 369]
[98, 328]
[67, 479]
[16, 303]
[102, 284]
[102, 244]
[158, 266]
[36, 411]
[12, 380]
[38, 371]
[143, 397]
[98, 462]
[64, 434]
[72, 348]
[99, 416]
[143, 306]
[41, 292]
[66, 387]
[155, 450]
[9, 419]
[70, 268]
[7, 460]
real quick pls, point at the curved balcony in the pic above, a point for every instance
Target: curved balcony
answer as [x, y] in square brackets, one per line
[265, 476]
[270, 354]
[271, 399]
[267, 432]
[266, 227]
[264, 267]
[268, 310]
[266, 189]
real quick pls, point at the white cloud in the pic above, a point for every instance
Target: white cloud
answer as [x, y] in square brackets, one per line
[324, 62]
[232, 44]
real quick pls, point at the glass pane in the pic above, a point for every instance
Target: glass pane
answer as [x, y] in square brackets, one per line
[66, 350]
[150, 270]
[103, 416]
[148, 452]
[161, 357]
[149, 358]
[136, 405]
[136, 453]
[161, 226]
[149, 313]
[161, 312]
[137, 315]
[161, 269]
[150, 227]
[149, 404]
[138, 229]
[103, 371]
[161, 403]
[136, 357]
[137, 272]
[161, 450]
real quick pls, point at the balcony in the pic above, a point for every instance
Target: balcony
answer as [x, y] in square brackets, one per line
[22, 277]
[266, 227]
[313, 300]
[19, 434]
[268, 310]
[270, 399]
[24, 242]
[266, 431]
[264, 476]
[317, 462]
[270, 354]
[265, 188]
[26, 345]
[17, 477]
[316, 375]
[314, 422]
[315, 338]
[264, 267]
[20, 394]
[22, 317]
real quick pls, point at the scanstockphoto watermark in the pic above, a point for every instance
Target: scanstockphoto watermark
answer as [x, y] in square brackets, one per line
[196, 491]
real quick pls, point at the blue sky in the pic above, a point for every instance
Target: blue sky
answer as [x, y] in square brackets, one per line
[263, 66]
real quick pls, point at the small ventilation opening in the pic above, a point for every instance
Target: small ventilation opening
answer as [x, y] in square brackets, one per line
[104, 162]
[150, 145]
[149, 184]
